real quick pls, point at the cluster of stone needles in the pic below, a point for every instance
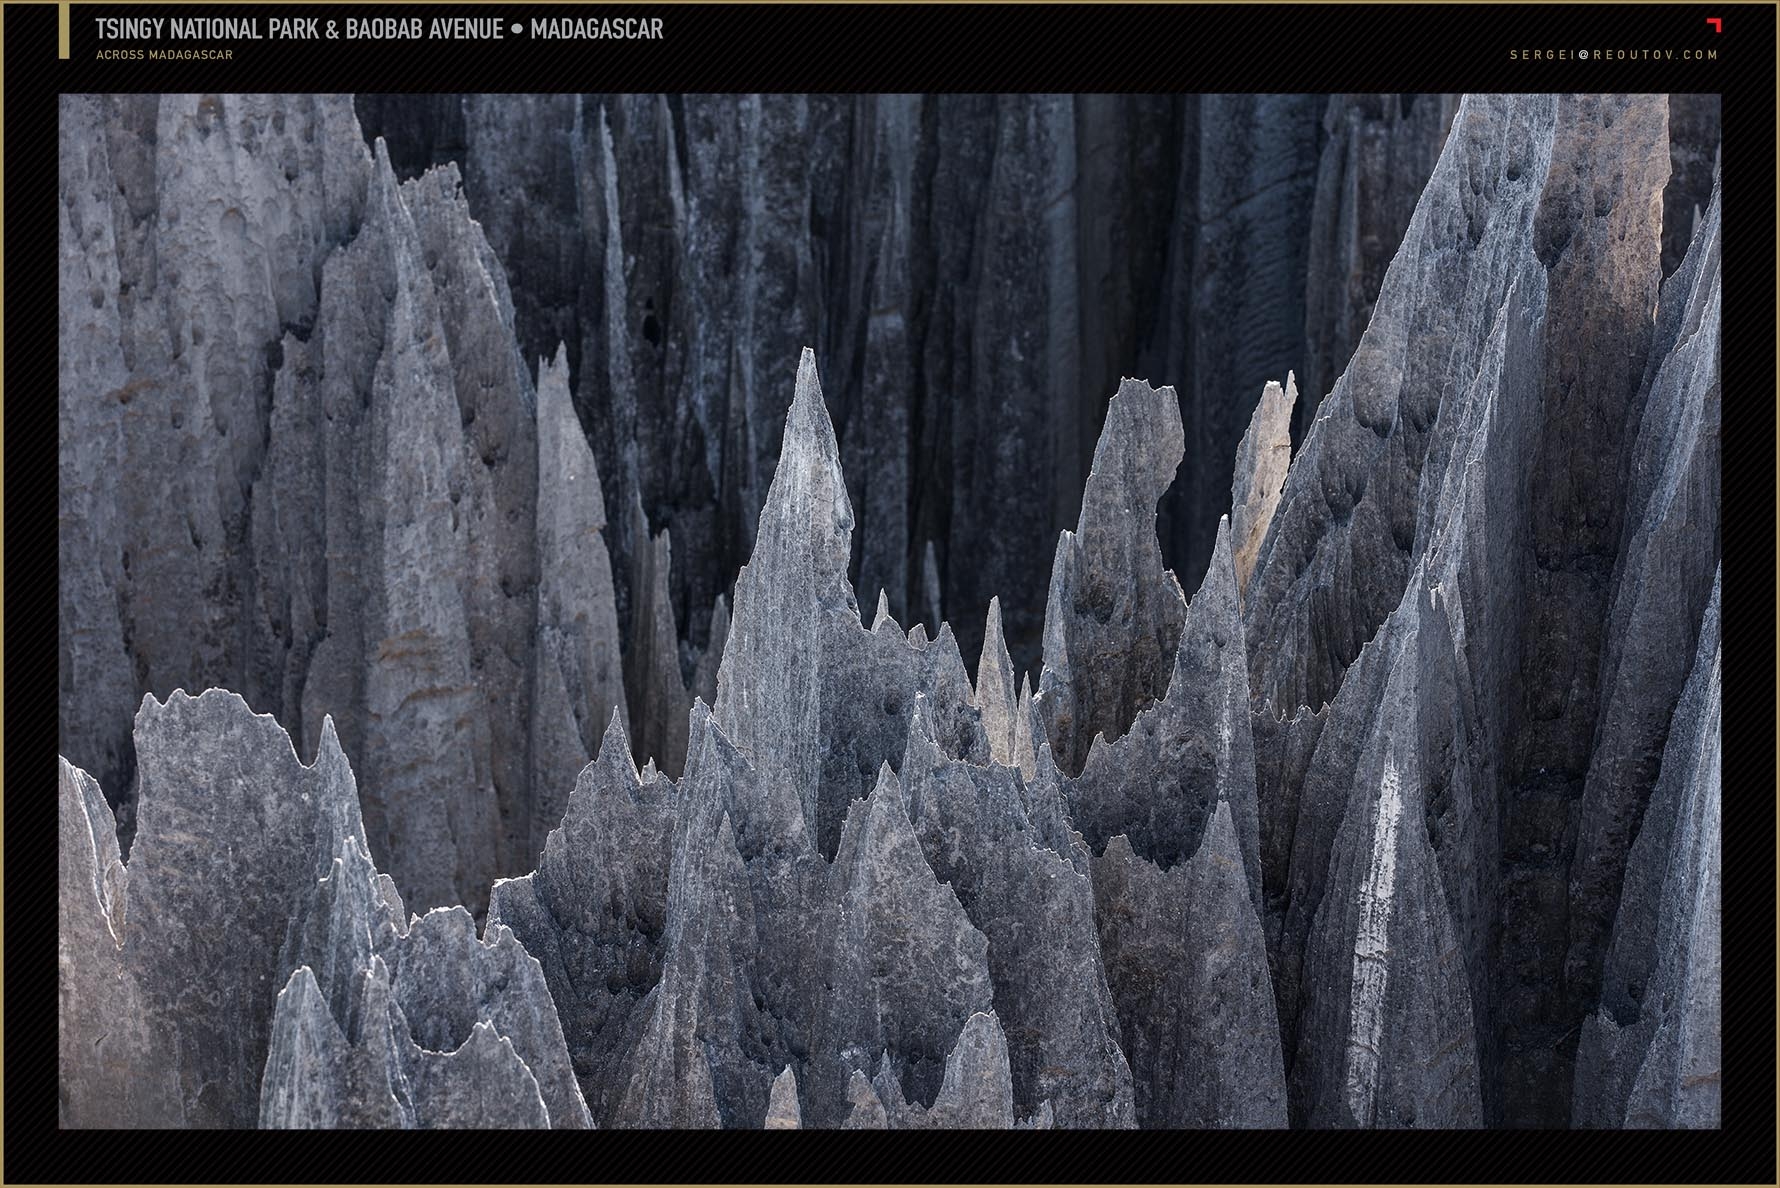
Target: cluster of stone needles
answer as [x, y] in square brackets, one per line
[1407, 816]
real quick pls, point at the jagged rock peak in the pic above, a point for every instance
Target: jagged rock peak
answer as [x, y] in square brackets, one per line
[578, 666]
[769, 687]
[1161, 782]
[1262, 460]
[654, 688]
[995, 696]
[1186, 960]
[904, 966]
[446, 979]
[782, 1111]
[1004, 846]
[1653, 1054]
[978, 1090]
[808, 494]
[199, 1038]
[1114, 613]
[594, 913]
[883, 615]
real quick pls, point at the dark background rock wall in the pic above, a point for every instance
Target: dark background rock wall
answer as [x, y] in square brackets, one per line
[976, 273]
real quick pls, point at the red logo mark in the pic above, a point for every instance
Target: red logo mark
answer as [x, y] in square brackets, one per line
[1717, 24]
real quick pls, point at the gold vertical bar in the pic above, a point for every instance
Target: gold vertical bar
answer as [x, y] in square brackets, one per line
[62, 29]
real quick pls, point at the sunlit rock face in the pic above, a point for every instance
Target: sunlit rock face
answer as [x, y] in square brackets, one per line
[540, 769]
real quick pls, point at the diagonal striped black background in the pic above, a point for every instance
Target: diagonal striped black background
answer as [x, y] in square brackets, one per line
[923, 48]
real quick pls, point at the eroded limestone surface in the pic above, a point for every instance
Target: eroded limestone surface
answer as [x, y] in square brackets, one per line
[1309, 849]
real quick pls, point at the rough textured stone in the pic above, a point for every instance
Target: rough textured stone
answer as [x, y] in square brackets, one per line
[977, 1092]
[1652, 1057]
[995, 697]
[1161, 782]
[1261, 462]
[1339, 861]
[1148, 802]
[594, 913]
[902, 966]
[250, 871]
[318, 1078]
[115, 1066]
[781, 1107]
[1187, 963]
[1114, 613]
[448, 983]
[1006, 849]
[652, 681]
[815, 699]
[743, 889]
[1661, 583]
[351, 525]
[1386, 1037]
[1504, 511]
[1377, 154]
[232, 830]
[578, 664]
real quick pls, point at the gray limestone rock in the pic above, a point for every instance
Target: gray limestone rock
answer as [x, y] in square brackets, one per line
[1022, 876]
[1149, 803]
[224, 803]
[193, 232]
[769, 687]
[867, 1109]
[1386, 1036]
[349, 526]
[320, 1077]
[482, 1085]
[994, 696]
[1018, 318]
[340, 926]
[977, 1092]
[782, 1111]
[1500, 470]
[97, 676]
[577, 665]
[594, 913]
[447, 983]
[1187, 962]
[1661, 584]
[1261, 463]
[1652, 1056]
[1339, 861]
[652, 681]
[1377, 154]
[1113, 617]
[733, 996]
[1345, 523]
[396, 655]
[1028, 727]
[901, 966]
[116, 1067]
[249, 872]
[1160, 784]
[816, 700]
